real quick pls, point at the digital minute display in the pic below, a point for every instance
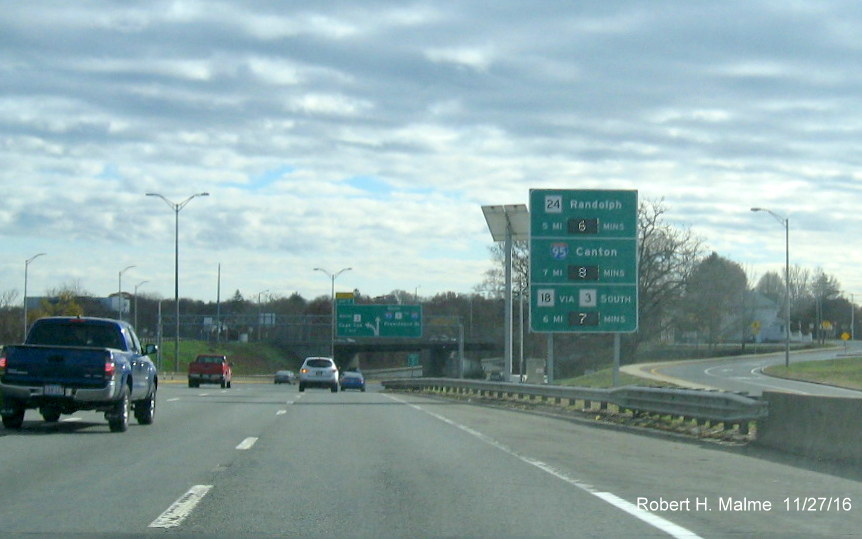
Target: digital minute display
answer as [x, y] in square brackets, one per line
[583, 273]
[584, 319]
[583, 226]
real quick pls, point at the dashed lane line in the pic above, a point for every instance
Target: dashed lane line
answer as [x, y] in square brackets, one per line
[246, 444]
[182, 508]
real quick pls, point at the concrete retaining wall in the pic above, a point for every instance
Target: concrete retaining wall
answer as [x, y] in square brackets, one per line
[823, 428]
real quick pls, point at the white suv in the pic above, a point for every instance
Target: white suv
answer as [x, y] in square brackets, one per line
[318, 372]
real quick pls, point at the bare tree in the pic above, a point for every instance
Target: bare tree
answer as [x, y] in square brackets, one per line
[493, 285]
[667, 255]
[771, 285]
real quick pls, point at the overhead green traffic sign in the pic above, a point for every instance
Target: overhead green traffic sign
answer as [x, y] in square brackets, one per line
[404, 321]
[583, 261]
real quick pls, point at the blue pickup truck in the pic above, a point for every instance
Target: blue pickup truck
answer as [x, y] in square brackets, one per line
[68, 364]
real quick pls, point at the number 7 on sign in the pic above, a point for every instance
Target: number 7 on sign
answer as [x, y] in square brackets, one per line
[587, 297]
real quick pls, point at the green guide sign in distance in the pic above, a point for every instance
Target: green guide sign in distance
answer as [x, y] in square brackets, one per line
[404, 321]
[583, 261]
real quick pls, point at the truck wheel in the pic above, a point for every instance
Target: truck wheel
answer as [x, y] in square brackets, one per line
[14, 420]
[145, 409]
[50, 415]
[118, 419]
[301, 387]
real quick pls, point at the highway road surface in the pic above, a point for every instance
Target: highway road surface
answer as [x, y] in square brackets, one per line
[744, 373]
[262, 460]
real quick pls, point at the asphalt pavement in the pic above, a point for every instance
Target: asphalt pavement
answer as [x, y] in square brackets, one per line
[744, 374]
[264, 460]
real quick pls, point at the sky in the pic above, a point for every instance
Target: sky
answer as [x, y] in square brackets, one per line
[369, 135]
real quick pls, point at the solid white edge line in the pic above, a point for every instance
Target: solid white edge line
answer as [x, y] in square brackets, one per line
[248, 443]
[653, 520]
[180, 509]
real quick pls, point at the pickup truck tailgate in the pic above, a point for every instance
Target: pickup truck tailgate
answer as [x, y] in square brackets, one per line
[68, 366]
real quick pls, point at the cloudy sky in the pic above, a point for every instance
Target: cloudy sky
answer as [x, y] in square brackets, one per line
[369, 134]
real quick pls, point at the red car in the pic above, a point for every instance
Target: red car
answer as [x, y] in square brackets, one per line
[210, 369]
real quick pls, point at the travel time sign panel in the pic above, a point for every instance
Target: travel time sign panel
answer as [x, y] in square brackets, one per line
[583, 261]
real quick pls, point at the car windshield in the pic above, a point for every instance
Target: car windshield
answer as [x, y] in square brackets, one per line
[455, 268]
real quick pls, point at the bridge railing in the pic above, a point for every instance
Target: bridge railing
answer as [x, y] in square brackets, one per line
[732, 410]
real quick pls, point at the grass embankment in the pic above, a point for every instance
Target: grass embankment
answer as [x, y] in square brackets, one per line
[247, 358]
[843, 372]
[603, 379]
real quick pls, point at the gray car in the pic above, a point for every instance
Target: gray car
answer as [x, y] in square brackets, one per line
[284, 377]
[318, 372]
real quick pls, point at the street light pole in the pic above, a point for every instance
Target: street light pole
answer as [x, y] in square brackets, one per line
[120, 292]
[177, 207]
[786, 222]
[332, 277]
[26, 266]
[136, 302]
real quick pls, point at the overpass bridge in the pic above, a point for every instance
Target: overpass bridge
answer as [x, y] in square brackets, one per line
[436, 355]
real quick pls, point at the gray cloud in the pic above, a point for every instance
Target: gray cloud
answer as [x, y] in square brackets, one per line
[278, 111]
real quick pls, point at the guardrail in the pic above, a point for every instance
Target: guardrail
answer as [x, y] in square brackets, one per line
[732, 410]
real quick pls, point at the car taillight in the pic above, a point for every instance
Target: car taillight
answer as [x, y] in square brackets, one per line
[110, 368]
[2, 364]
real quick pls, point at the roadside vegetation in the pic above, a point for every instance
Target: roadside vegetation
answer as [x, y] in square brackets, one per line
[843, 372]
[604, 379]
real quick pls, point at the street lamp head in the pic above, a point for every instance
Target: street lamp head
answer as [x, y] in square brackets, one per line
[757, 209]
[34, 257]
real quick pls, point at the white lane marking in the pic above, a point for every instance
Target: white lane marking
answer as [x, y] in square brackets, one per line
[173, 399]
[281, 412]
[180, 509]
[248, 443]
[656, 521]
[71, 419]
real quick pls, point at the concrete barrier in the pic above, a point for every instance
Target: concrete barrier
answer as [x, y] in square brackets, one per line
[823, 428]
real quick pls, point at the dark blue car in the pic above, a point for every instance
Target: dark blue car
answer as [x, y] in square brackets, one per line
[352, 380]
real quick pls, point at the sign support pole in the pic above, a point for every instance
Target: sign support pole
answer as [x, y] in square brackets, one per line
[616, 376]
[508, 314]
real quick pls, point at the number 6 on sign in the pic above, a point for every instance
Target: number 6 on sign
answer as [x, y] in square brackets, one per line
[587, 297]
